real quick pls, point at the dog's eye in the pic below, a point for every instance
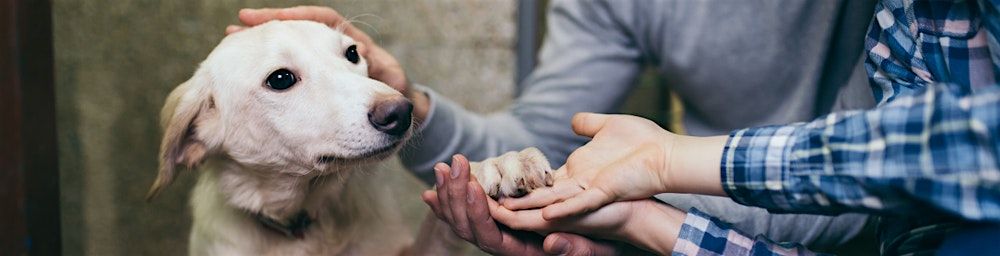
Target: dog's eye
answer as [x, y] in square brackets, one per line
[352, 54]
[281, 79]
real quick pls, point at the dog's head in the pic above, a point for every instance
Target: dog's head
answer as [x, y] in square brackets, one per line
[284, 98]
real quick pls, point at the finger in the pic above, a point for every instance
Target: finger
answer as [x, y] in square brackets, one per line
[519, 243]
[588, 124]
[585, 202]
[493, 238]
[457, 188]
[528, 220]
[485, 231]
[430, 198]
[571, 244]
[233, 29]
[253, 17]
[328, 16]
[441, 171]
[541, 197]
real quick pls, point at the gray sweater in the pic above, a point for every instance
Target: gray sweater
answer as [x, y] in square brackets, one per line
[734, 64]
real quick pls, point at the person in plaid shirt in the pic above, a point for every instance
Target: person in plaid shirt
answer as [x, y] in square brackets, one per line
[929, 152]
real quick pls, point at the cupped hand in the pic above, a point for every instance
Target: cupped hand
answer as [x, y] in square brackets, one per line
[648, 224]
[628, 158]
[461, 202]
[624, 161]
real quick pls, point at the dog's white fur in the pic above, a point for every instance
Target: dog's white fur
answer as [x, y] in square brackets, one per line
[257, 148]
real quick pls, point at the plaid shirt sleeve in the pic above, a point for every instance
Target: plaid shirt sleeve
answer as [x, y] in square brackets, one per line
[933, 141]
[933, 147]
[702, 234]
[959, 176]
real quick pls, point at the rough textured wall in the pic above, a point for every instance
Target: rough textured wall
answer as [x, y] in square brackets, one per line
[117, 60]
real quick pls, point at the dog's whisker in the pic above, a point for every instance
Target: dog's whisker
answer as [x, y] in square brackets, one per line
[356, 20]
[366, 15]
[370, 26]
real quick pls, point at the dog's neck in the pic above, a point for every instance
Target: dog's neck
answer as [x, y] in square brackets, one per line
[294, 227]
[344, 212]
[281, 202]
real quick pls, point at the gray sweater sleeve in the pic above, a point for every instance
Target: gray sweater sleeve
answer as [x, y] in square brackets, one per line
[587, 64]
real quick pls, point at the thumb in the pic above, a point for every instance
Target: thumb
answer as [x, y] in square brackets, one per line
[584, 202]
[588, 124]
[571, 244]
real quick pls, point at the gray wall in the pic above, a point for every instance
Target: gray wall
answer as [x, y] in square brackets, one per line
[117, 60]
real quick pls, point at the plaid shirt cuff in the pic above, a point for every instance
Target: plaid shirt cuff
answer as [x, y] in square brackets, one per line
[753, 166]
[702, 234]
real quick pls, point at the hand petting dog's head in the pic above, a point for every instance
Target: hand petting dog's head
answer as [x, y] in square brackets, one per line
[282, 98]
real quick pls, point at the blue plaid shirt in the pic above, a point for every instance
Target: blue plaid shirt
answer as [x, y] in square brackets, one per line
[932, 146]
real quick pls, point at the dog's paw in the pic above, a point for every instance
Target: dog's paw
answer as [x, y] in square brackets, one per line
[513, 174]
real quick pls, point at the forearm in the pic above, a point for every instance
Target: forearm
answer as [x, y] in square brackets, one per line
[702, 234]
[656, 228]
[666, 230]
[693, 165]
[448, 129]
[818, 232]
[587, 64]
[933, 147]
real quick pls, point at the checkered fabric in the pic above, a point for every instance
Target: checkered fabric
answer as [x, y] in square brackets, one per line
[932, 146]
[912, 44]
[711, 236]
[929, 143]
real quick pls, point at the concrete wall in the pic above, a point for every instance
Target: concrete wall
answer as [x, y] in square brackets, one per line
[117, 60]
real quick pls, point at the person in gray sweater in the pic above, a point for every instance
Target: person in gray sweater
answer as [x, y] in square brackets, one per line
[734, 64]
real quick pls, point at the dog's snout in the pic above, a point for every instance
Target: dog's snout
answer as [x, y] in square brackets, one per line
[391, 116]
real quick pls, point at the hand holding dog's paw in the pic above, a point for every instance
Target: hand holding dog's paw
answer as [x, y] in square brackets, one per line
[461, 202]
[513, 174]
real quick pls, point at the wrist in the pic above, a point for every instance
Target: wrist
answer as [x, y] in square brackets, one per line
[656, 228]
[693, 165]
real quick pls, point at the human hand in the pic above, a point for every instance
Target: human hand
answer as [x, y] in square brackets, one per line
[629, 158]
[382, 66]
[648, 224]
[462, 203]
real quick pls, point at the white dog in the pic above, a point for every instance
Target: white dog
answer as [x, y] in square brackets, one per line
[279, 120]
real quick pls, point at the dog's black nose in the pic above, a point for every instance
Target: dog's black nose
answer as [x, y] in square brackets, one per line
[391, 116]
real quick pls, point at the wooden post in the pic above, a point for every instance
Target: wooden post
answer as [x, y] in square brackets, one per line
[29, 174]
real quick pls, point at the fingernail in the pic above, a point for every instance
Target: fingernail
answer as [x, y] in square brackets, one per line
[437, 174]
[454, 167]
[440, 180]
[469, 197]
[560, 246]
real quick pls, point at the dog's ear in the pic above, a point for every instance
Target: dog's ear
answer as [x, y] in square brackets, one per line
[188, 111]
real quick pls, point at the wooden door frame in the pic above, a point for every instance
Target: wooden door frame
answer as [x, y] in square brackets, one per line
[29, 173]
